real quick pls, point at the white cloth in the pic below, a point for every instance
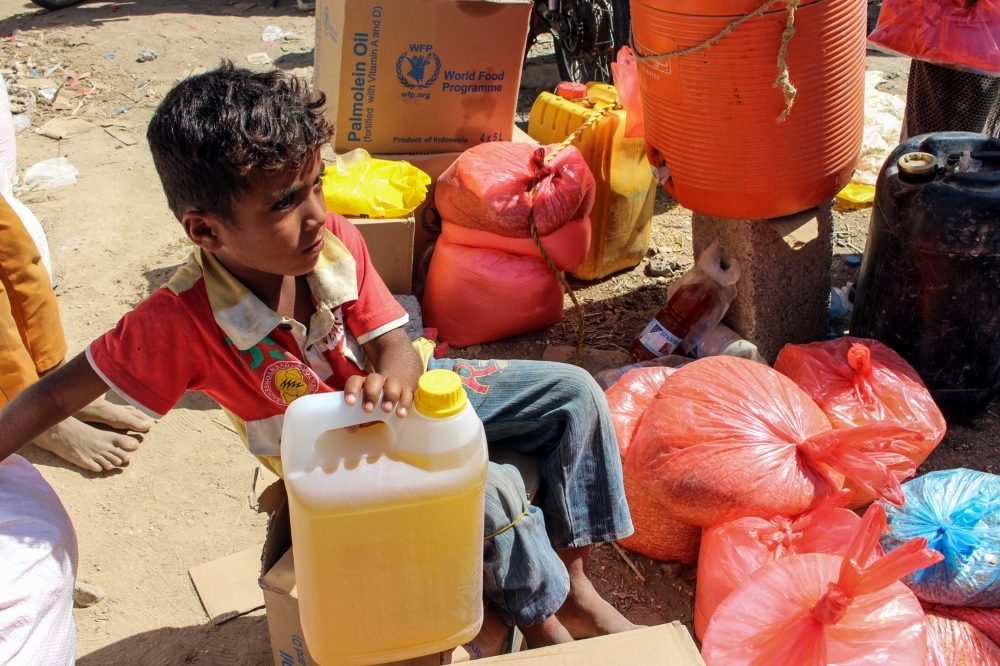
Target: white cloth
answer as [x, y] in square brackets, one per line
[34, 228]
[8, 144]
[38, 559]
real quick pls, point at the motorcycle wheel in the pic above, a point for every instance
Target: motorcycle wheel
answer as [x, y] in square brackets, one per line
[53, 5]
[582, 65]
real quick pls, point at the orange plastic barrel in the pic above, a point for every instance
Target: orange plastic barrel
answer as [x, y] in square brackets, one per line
[712, 116]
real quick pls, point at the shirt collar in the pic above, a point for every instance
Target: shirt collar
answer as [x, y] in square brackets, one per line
[246, 320]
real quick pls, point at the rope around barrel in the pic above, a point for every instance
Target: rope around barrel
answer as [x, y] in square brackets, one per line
[582, 328]
[783, 81]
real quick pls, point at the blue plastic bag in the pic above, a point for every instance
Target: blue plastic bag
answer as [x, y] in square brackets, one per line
[958, 512]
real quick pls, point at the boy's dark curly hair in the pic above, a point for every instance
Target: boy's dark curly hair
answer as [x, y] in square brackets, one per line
[214, 134]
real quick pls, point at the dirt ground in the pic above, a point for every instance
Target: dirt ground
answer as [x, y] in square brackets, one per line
[184, 498]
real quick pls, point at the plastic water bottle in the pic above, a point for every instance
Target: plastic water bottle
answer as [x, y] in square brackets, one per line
[724, 341]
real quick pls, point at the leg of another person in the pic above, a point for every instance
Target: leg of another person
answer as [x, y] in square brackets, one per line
[945, 99]
[558, 412]
[39, 556]
[32, 344]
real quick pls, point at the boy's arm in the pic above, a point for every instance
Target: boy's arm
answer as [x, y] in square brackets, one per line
[397, 369]
[51, 400]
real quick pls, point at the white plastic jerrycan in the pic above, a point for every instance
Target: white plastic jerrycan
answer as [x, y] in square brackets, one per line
[387, 523]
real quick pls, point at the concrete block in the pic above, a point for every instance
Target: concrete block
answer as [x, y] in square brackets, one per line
[784, 284]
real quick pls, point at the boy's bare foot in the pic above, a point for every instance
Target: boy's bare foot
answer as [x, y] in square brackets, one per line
[584, 613]
[116, 416]
[87, 447]
[550, 632]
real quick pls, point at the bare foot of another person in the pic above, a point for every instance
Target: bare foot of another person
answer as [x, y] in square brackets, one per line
[116, 416]
[584, 613]
[87, 447]
[550, 632]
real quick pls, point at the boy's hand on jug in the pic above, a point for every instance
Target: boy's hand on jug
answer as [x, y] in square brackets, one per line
[395, 394]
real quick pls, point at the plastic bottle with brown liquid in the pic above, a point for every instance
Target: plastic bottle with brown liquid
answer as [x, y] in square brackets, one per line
[685, 308]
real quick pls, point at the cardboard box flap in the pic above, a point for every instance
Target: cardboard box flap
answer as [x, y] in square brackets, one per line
[226, 586]
[281, 577]
[274, 501]
[664, 645]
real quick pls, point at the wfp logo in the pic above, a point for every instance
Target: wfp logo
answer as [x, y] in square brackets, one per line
[419, 67]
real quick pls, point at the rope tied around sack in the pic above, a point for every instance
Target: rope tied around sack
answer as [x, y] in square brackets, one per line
[582, 328]
[783, 81]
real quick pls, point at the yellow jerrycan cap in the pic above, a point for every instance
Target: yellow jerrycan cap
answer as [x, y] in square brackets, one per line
[440, 394]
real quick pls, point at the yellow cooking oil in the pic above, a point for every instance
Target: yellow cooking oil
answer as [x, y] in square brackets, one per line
[626, 189]
[387, 524]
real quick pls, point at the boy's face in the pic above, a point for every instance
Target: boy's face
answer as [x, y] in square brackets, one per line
[276, 227]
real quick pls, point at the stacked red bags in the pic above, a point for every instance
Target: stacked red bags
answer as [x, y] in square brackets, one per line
[952, 642]
[954, 33]
[732, 551]
[657, 533]
[858, 382]
[816, 609]
[487, 279]
[726, 438]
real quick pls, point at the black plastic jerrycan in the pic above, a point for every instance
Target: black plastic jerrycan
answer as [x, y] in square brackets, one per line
[930, 280]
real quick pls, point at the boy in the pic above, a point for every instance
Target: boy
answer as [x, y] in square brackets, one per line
[238, 156]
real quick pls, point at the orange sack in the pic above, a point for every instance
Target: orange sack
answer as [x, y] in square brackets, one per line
[497, 186]
[732, 551]
[856, 382]
[952, 642]
[567, 246]
[727, 438]
[478, 295]
[816, 609]
[658, 534]
[986, 620]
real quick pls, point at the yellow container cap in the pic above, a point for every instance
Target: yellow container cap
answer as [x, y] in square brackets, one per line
[440, 394]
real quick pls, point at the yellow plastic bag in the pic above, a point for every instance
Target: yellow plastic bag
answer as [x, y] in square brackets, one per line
[359, 185]
[857, 194]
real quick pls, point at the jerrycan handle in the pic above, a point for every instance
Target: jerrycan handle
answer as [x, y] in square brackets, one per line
[311, 415]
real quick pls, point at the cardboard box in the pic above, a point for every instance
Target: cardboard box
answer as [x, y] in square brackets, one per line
[277, 580]
[428, 221]
[420, 76]
[390, 246]
[663, 645]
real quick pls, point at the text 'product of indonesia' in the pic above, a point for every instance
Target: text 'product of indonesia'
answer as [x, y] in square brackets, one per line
[361, 504]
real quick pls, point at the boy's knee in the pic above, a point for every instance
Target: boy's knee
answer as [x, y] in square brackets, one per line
[506, 498]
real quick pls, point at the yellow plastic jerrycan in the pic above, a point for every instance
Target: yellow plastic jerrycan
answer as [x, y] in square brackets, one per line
[626, 189]
[387, 523]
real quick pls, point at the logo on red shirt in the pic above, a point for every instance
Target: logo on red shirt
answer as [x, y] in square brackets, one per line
[285, 381]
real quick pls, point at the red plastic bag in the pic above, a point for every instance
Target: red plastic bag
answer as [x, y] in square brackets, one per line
[474, 295]
[727, 438]
[952, 642]
[567, 246]
[657, 533]
[732, 551]
[625, 72]
[496, 186]
[816, 609]
[986, 620]
[629, 398]
[943, 32]
[857, 382]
